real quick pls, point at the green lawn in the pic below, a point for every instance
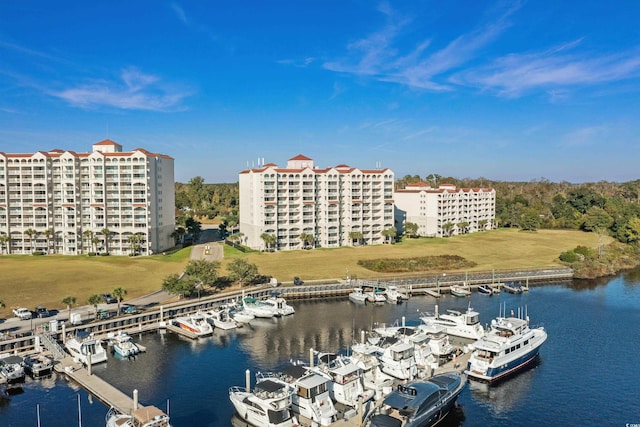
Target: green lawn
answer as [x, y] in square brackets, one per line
[45, 280]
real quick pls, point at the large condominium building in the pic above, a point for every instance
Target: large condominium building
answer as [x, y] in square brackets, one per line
[445, 210]
[72, 203]
[338, 205]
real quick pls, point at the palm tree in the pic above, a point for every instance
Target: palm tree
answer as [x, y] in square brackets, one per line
[5, 241]
[119, 293]
[134, 243]
[94, 300]
[106, 233]
[47, 235]
[94, 243]
[463, 226]
[390, 234]
[356, 236]
[307, 239]
[30, 232]
[482, 224]
[88, 234]
[447, 228]
[269, 240]
[69, 301]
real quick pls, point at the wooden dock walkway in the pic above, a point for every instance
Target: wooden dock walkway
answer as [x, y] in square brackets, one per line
[101, 389]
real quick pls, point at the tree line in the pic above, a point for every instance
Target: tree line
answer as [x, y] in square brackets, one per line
[604, 207]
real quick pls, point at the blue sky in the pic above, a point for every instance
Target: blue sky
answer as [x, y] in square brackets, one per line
[506, 90]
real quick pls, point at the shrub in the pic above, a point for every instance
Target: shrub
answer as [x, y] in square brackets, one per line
[92, 254]
[104, 254]
[38, 253]
[569, 256]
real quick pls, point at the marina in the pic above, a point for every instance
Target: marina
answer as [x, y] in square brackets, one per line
[269, 344]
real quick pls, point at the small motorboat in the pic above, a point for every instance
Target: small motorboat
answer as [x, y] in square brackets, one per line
[485, 289]
[123, 345]
[221, 318]
[358, 296]
[11, 369]
[38, 364]
[460, 291]
[194, 323]
[512, 287]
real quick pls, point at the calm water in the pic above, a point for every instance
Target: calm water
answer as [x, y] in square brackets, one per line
[588, 373]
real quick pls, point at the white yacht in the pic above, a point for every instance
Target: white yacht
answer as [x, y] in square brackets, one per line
[346, 386]
[394, 295]
[376, 296]
[365, 357]
[438, 340]
[238, 313]
[510, 345]
[311, 398]
[259, 308]
[280, 304]
[148, 416]
[86, 349]
[123, 345]
[220, 318]
[267, 405]
[195, 323]
[457, 323]
[398, 360]
[415, 336]
[358, 296]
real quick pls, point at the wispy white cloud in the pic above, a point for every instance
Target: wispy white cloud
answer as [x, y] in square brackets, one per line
[426, 67]
[179, 11]
[134, 91]
[299, 63]
[553, 70]
[585, 136]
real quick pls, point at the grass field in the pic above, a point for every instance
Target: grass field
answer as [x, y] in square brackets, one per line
[33, 280]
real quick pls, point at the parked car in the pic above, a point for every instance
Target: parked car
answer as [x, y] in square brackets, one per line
[297, 281]
[104, 314]
[109, 299]
[22, 313]
[41, 311]
[128, 309]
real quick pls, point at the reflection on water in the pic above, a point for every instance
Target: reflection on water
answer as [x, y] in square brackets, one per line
[592, 341]
[503, 397]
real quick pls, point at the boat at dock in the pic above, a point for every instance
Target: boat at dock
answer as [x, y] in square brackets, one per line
[394, 295]
[123, 345]
[311, 398]
[194, 323]
[267, 405]
[148, 416]
[485, 289]
[11, 369]
[260, 308]
[221, 318]
[346, 385]
[509, 346]
[512, 287]
[376, 296]
[419, 403]
[365, 357]
[279, 304]
[86, 349]
[38, 364]
[358, 296]
[458, 323]
[460, 291]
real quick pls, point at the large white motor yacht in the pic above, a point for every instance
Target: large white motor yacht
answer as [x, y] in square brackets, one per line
[86, 349]
[457, 323]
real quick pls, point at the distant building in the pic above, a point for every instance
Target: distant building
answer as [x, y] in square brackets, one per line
[327, 203]
[65, 202]
[434, 210]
